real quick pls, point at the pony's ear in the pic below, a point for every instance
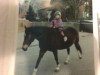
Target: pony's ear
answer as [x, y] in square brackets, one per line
[25, 27]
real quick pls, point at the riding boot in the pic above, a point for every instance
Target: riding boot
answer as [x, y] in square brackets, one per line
[65, 38]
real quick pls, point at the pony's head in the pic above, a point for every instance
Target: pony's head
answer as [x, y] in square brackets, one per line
[28, 38]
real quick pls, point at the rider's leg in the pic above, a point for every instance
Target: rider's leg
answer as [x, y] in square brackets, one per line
[62, 33]
[65, 38]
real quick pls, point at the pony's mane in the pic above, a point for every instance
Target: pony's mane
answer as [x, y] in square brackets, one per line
[37, 29]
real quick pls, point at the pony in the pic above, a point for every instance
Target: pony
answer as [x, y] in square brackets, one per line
[50, 39]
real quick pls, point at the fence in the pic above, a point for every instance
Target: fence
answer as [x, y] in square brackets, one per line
[23, 23]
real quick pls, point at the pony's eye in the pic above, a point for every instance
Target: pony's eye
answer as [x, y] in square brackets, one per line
[24, 34]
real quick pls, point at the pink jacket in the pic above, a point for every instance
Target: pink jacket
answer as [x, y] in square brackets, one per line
[57, 23]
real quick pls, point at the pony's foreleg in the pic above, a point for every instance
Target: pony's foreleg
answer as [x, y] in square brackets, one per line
[68, 58]
[41, 53]
[79, 50]
[56, 59]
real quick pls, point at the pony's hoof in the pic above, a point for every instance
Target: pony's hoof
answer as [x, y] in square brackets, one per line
[57, 70]
[34, 72]
[66, 62]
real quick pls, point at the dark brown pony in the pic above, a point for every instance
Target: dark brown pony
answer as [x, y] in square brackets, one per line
[51, 40]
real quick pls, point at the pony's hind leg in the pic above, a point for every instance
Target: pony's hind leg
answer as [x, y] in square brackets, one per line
[41, 53]
[67, 59]
[79, 50]
[55, 53]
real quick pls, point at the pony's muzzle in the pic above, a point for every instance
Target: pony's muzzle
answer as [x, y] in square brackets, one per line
[25, 47]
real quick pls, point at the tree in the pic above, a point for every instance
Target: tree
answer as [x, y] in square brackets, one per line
[90, 9]
[23, 7]
[69, 8]
[30, 14]
[75, 4]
